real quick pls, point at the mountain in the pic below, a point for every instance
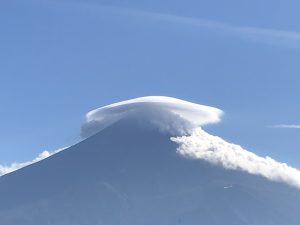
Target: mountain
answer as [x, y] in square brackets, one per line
[130, 173]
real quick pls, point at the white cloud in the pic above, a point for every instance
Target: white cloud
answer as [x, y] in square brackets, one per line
[290, 126]
[169, 114]
[201, 145]
[265, 35]
[4, 169]
[275, 37]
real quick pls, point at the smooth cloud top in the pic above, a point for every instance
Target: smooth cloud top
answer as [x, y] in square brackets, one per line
[158, 109]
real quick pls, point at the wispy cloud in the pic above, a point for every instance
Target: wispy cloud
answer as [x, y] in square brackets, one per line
[265, 35]
[5, 169]
[275, 37]
[288, 126]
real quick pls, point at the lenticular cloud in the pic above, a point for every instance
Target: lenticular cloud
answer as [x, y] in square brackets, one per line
[169, 114]
[203, 146]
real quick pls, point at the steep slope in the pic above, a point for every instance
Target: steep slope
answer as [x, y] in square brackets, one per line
[130, 173]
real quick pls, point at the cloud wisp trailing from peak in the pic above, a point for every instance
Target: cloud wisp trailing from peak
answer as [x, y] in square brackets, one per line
[184, 119]
[268, 36]
[203, 146]
[287, 126]
[5, 169]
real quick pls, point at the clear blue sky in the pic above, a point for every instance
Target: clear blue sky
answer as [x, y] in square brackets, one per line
[62, 58]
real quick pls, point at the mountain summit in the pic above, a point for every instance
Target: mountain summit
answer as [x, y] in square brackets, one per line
[146, 161]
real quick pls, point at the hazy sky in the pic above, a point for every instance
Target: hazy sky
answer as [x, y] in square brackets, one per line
[60, 59]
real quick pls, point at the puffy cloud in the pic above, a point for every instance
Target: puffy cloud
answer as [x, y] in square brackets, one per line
[4, 169]
[201, 145]
[169, 114]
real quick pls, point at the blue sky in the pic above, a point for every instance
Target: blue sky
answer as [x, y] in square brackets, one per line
[60, 59]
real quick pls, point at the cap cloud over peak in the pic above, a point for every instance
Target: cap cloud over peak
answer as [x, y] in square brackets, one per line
[171, 115]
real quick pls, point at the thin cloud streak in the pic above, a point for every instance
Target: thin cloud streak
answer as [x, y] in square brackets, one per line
[277, 37]
[274, 37]
[288, 126]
